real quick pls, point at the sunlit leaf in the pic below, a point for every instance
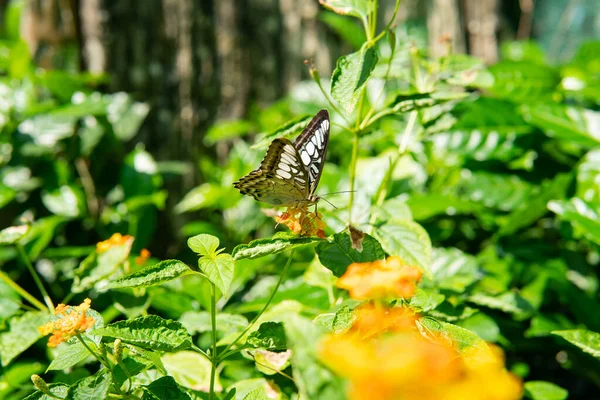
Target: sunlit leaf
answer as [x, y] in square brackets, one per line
[152, 275]
[540, 390]
[338, 253]
[587, 341]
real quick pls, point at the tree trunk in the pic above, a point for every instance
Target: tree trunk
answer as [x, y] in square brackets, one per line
[482, 24]
[444, 24]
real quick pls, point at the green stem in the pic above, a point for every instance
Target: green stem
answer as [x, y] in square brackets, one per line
[213, 323]
[374, 19]
[330, 100]
[275, 289]
[22, 292]
[390, 23]
[200, 351]
[102, 361]
[36, 277]
[353, 162]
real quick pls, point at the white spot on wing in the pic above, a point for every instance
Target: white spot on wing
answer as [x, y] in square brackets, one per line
[310, 147]
[283, 174]
[305, 158]
[325, 124]
[284, 167]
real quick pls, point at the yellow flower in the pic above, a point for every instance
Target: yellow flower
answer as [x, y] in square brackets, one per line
[386, 279]
[302, 222]
[115, 240]
[144, 256]
[373, 319]
[70, 320]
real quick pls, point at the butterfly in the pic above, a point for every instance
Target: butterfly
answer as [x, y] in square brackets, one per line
[290, 172]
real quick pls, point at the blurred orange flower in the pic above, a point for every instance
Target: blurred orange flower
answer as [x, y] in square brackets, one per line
[143, 257]
[374, 319]
[408, 366]
[70, 321]
[115, 240]
[302, 222]
[385, 279]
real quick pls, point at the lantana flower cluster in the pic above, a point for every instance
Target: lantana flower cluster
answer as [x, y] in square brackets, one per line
[69, 321]
[385, 355]
[303, 222]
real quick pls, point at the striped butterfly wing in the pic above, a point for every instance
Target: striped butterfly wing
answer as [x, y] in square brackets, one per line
[312, 147]
[281, 178]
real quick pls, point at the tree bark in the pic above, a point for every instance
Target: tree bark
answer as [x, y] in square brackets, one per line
[482, 24]
[444, 24]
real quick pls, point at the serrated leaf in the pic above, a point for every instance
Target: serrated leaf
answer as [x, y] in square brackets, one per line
[22, 333]
[13, 234]
[587, 341]
[150, 332]
[218, 268]
[274, 245]
[270, 362]
[257, 394]
[540, 390]
[269, 336]
[509, 302]
[338, 253]
[588, 177]
[343, 320]
[190, 369]
[152, 275]
[426, 300]
[69, 355]
[164, 388]
[500, 191]
[407, 240]
[92, 387]
[523, 81]
[583, 215]
[483, 325]
[350, 76]
[286, 130]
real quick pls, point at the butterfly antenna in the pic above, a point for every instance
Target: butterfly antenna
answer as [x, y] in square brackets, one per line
[343, 191]
[332, 205]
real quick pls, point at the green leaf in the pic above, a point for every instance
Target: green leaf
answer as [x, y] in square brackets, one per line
[125, 115]
[499, 191]
[203, 244]
[150, 332]
[269, 336]
[286, 130]
[69, 355]
[199, 321]
[338, 254]
[523, 81]
[10, 301]
[540, 390]
[92, 387]
[207, 195]
[587, 341]
[190, 369]
[164, 388]
[407, 240]
[567, 123]
[257, 394]
[453, 270]
[523, 51]
[350, 76]
[13, 234]
[22, 333]
[343, 320]
[217, 267]
[462, 338]
[345, 28]
[279, 243]
[588, 177]
[509, 302]
[270, 362]
[152, 275]
[356, 8]
[584, 216]
[426, 300]
[483, 325]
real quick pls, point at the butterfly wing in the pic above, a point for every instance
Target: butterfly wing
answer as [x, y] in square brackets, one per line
[312, 147]
[281, 178]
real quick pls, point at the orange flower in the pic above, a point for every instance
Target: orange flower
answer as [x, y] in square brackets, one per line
[406, 365]
[115, 240]
[386, 279]
[70, 320]
[373, 319]
[144, 256]
[302, 222]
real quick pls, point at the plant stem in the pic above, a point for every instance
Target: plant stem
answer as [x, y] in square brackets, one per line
[374, 19]
[22, 292]
[102, 361]
[36, 277]
[330, 100]
[213, 323]
[275, 289]
[390, 23]
[353, 162]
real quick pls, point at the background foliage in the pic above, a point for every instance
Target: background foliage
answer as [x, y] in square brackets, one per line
[485, 177]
